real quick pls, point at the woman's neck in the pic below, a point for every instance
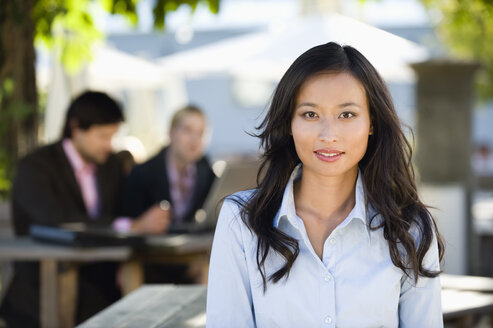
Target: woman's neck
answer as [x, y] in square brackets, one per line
[180, 164]
[325, 198]
[323, 203]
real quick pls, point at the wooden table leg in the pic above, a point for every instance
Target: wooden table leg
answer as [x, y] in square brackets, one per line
[204, 273]
[131, 276]
[466, 321]
[199, 270]
[49, 293]
[67, 296]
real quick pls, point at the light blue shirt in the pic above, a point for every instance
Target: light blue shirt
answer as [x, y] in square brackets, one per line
[354, 285]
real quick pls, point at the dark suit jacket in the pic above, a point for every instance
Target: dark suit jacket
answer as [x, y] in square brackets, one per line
[148, 184]
[46, 191]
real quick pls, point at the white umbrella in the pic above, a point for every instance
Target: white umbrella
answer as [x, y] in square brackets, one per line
[58, 99]
[219, 57]
[116, 69]
[267, 55]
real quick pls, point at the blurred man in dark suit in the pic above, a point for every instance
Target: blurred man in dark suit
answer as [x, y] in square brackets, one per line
[77, 179]
[179, 174]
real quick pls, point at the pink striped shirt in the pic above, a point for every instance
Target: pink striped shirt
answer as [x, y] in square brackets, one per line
[85, 174]
[181, 186]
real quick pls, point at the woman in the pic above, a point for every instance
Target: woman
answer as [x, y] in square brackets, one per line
[335, 234]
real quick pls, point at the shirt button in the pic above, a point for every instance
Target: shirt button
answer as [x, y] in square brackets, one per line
[328, 320]
[327, 278]
[332, 241]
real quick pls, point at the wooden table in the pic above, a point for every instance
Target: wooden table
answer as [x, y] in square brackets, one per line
[58, 290]
[156, 306]
[466, 297]
[467, 283]
[189, 249]
[192, 250]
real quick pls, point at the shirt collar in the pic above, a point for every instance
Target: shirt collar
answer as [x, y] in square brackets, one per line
[190, 170]
[77, 162]
[287, 211]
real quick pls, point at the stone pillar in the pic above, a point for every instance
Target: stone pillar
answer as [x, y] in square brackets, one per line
[445, 100]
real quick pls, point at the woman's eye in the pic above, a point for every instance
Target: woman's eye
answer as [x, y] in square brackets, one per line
[346, 115]
[310, 115]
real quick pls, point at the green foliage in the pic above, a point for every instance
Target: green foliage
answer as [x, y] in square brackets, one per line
[15, 111]
[6, 89]
[161, 7]
[68, 25]
[5, 183]
[467, 27]
[126, 8]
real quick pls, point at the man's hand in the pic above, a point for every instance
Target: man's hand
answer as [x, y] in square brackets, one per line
[155, 220]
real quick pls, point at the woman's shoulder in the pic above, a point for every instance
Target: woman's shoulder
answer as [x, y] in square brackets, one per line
[241, 197]
[233, 204]
[230, 223]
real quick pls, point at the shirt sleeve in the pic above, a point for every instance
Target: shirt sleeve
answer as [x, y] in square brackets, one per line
[122, 224]
[136, 198]
[420, 304]
[229, 299]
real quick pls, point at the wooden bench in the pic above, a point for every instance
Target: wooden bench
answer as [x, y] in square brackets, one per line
[185, 306]
[155, 306]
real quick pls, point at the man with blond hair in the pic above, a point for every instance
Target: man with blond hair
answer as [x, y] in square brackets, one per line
[179, 174]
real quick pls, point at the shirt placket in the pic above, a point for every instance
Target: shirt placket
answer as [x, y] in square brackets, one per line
[326, 281]
[89, 191]
[328, 297]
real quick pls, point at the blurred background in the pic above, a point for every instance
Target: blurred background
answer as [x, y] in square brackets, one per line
[226, 56]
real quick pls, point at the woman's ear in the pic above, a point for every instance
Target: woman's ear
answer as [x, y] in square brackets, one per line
[371, 130]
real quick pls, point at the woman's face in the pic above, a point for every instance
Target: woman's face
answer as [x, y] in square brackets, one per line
[331, 124]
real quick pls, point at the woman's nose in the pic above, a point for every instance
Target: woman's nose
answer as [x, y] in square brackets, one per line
[328, 131]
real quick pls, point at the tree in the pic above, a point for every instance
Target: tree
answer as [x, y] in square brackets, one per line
[466, 27]
[67, 24]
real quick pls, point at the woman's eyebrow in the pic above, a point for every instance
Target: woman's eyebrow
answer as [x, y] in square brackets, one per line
[308, 104]
[349, 104]
[343, 105]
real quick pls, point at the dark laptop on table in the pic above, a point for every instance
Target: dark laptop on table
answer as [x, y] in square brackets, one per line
[81, 235]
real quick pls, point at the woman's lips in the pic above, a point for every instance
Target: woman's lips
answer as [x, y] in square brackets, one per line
[328, 155]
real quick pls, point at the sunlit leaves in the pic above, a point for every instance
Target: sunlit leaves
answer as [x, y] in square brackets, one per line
[126, 8]
[162, 7]
[15, 111]
[44, 12]
[68, 24]
[467, 27]
[214, 6]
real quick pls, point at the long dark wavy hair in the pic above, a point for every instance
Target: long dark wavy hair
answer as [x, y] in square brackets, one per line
[387, 171]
